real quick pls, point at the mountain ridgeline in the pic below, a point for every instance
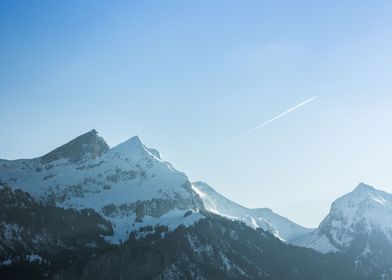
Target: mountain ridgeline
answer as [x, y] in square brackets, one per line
[88, 211]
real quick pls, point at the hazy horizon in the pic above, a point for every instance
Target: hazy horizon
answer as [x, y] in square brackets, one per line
[189, 77]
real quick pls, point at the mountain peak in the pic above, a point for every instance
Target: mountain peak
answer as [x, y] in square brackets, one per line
[134, 148]
[129, 145]
[86, 146]
[363, 187]
[360, 199]
[365, 209]
[135, 140]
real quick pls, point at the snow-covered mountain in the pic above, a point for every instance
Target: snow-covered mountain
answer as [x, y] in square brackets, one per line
[359, 223]
[364, 211]
[131, 186]
[128, 184]
[263, 218]
[60, 212]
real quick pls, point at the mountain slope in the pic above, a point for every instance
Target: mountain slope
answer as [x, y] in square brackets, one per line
[36, 239]
[212, 248]
[56, 243]
[263, 218]
[130, 184]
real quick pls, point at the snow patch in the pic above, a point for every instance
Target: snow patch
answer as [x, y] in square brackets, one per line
[123, 226]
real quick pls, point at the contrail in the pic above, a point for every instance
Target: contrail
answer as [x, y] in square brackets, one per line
[271, 120]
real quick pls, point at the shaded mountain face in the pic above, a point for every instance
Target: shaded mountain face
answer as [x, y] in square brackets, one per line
[48, 242]
[130, 185]
[36, 226]
[263, 218]
[37, 239]
[213, 248]
[85, 147]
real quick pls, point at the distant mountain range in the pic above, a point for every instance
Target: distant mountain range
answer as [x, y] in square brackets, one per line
[88, 211]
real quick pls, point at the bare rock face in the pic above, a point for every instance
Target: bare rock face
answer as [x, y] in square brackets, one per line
[85, 147]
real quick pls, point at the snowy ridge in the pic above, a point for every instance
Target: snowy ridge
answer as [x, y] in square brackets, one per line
[263, 218]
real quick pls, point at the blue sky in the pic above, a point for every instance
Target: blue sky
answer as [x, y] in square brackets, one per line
[188, 76]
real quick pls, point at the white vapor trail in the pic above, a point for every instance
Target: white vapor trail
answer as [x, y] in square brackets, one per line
[271, 120]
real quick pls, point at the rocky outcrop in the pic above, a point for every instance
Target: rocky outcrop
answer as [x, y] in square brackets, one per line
[85, 147]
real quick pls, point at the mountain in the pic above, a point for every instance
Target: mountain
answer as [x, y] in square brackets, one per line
[42, 241]
[263, 218]
[364, 211]
[88, 211]
[129, 184]
[359, 224]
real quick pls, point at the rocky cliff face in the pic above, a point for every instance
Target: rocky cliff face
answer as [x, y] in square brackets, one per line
[85, 147]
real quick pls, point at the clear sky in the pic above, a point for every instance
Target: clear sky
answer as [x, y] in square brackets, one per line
[189, 76]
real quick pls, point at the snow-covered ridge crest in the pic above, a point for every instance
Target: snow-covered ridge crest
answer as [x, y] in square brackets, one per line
[263, 218]
[128, 182]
